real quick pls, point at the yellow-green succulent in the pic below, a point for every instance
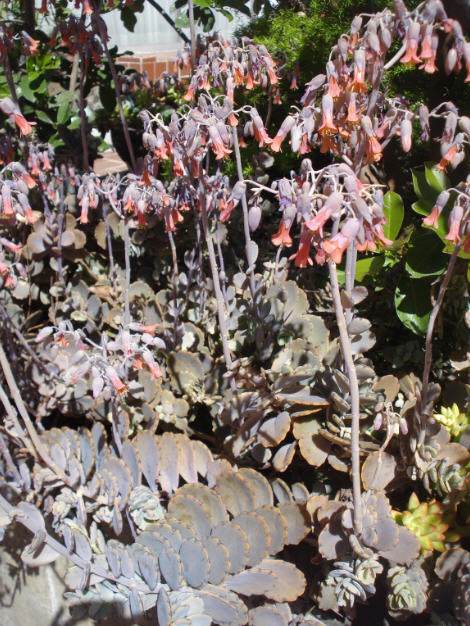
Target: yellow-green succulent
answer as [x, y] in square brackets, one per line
[428, 522]
[453, 420]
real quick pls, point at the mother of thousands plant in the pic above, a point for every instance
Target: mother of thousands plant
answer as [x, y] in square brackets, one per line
[182, 382]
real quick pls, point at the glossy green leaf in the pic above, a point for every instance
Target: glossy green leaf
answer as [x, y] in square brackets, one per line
[413, 303]
[63, 113]
[26, 90]
[43, 117]
[435, 178]
[422, 207]
[369, 266]
[422, 188]
[394, 212]
[425, 256]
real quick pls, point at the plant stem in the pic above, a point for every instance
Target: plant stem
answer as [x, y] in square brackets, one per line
[192, 31]
[18, 400]
[432, 320]
[86, 162]
[168, 19]
[9, 77]
[354, 392]
[21, 516]
[60, 229]
[246, 225]
[112, 266]
[215, 274]
[127, 309]
[350, 274]
[125, 127]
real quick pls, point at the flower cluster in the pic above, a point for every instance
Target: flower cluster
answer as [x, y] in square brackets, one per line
[226, 66]
[344, 110]
[334, 210]
[109, 364]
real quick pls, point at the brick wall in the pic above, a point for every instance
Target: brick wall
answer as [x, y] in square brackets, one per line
[154, 63]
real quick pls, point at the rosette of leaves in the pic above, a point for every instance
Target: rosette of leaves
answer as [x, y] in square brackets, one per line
[429, 522]
[407, 590]
[275, 404]
[427, 443]
[451, 592]
[348, 582]
[453, 420]
[55, 390]
[380, 535]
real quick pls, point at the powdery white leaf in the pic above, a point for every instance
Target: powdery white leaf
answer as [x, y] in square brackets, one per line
[43, 555]
[283, 457]
[224, 607]
[281, 491]
[378, 470]
[163, 607]
[202, 457]
[296, 520]
[277, 528]
[274, 430]
[219, 558]
[236, 492]
[195, 560]
[186, 460]
[212, 501]
[130, 458]
[215, 468]
[148, 451]
[267, 616]
[236, 542]
[123, 477]
[275, 579]
[43, 333]
[260, 486]
[171, 568]
[190, 511]
[257, 533]
[168, 471]
[148, 567]
[314, 449]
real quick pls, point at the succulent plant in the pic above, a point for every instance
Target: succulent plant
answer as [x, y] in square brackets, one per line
[353, 581]
[429, 523]
[453, 420]
[407, 590]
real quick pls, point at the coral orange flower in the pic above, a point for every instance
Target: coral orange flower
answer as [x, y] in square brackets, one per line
[335, 247]
[328, 126]
[411, 55]
[359, 77]
[352, 117]
[24, 126]
[455, 219]
[447, 158]
[282, 237]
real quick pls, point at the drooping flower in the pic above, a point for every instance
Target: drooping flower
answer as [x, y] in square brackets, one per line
[24, 126]
[373, 148]
[433, 217]
[302, 256]
[117, 383]
[405, 134]
[412, 36]
[447, 158]
[286, 127]
[328, 126]
[455, 219]
[352, 117]
[358, 83]
[282, 237]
